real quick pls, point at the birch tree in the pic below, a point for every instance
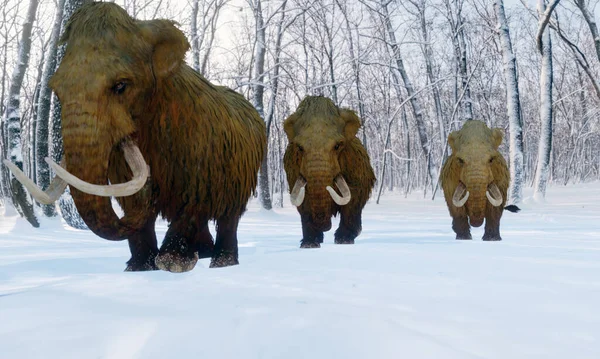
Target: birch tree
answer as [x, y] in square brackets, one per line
[414, 100]
[454, 14]
[544, 45]
[591, 22]
[43, 115]
[203, 30]
[65, 203]
[12, 116]
[355, 62]
[513, 106]
[258, 90]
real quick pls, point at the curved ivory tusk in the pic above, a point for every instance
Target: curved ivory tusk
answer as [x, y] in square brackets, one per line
[134, 159]
[52, 194]
[343, 187]
[493, 195]
[458, 193]
[297, 195]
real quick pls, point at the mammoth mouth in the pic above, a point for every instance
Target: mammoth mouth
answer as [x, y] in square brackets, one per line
[461, 195]
[299, 190]
[132, 155]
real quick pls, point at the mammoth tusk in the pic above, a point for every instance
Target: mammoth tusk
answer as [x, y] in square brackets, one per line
[493, 195]
[297, 195]
[134, 159]
[52, 194]
[458, 193]
[343, 187]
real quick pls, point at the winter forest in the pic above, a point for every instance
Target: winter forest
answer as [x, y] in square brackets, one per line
[413, 70]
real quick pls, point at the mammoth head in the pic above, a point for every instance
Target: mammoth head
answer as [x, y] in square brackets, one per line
[318, 133]
[112, 66]
[479, 167]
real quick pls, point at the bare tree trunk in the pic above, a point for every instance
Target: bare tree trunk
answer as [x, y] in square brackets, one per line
[12, 117]
[258, 88]
[513, 105]
[457, 25]
[428, 54]
[355, 62]
[43, 114]
[414, 101]
[545, 141]
[589, 18]
[65, 204]
[195, 36]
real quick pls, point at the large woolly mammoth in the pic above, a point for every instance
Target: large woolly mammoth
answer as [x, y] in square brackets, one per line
[169, 142]
[323, 150]
[475, 180]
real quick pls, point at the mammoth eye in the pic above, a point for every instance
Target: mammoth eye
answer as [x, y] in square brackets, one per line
[338, 146]
[491, 159]
[461, 161]
[119, 87]
[300, 148]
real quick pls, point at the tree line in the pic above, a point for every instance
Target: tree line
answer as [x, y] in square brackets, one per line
[413, 70]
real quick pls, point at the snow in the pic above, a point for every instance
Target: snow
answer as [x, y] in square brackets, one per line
[405, 289]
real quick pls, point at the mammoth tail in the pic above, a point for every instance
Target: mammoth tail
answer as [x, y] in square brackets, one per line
[512, 208]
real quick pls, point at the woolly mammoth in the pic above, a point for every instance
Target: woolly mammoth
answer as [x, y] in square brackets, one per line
[169, 142]
[475, 180]
[323, 150]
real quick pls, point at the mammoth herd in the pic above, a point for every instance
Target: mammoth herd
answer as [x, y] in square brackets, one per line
[140, 125]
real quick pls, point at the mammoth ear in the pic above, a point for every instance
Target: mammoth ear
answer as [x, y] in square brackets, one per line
[288, 126]
[451, 138]
[351, 123]
[169, 45]
[497, 135]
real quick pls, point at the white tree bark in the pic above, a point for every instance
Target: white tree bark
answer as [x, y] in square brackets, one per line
[544, 42]
[455, 18]
[43, 115]
[414, 101]
[513, 106]
[258, 89]
[591, 21]
[12, 116]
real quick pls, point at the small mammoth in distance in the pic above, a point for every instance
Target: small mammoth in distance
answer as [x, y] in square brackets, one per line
[475, 180]
[129, 102]
[323, 150]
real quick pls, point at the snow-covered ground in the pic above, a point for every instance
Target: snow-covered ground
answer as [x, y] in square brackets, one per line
[406, 289]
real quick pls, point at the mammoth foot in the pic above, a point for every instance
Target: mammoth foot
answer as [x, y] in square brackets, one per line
[224, 259]
[141, 265]
[307, 244]
[492, 238]
[205, 251]
[176, 263]
[344, 241]
[466, 236]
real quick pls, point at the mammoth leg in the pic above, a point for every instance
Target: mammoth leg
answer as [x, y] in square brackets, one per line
[460, 225]
[350, 225]
[143, 248]
[142, 244]
[311, 237]
[178, 253]
[492, 223]
[204, 242]
[225, 252]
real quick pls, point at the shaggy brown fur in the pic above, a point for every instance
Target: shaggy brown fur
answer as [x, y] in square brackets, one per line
[322, 145]
[123, 78]
[476, 162]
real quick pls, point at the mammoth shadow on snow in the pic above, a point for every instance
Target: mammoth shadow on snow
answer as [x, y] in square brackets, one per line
[169, 142]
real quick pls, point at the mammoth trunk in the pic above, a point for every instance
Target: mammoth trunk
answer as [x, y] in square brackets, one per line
[87, 156]
[320, 202]
[476, 203]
